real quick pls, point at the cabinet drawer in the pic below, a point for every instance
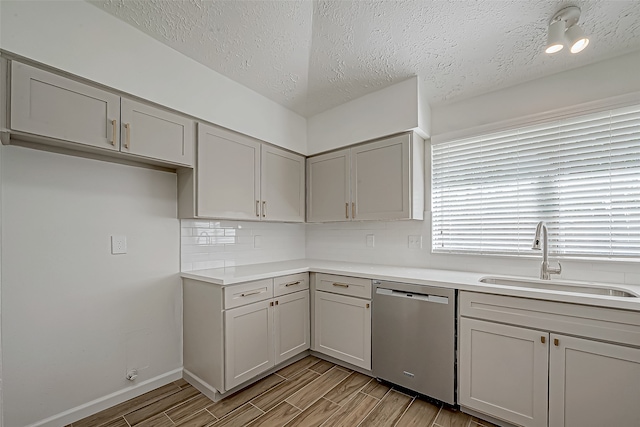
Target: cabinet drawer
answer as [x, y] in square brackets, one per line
[292, 283]
[344, 285]
[246, 293]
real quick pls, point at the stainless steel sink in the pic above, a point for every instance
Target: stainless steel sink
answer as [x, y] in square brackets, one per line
[558, 286]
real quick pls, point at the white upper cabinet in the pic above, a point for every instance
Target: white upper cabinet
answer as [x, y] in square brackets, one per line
[282, 185]
[52, 106]
[228, 175]
[329, 197]
[374, 181]
[49, 108]
[156, 134]
[238, 177]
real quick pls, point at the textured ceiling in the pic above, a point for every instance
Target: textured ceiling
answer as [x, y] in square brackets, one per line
[313, 55]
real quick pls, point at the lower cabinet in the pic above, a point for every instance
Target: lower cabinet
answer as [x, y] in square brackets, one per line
[261, 335]
[593, 383]
[532, 374]
[503, 371]
[342, 324]
[234, 333]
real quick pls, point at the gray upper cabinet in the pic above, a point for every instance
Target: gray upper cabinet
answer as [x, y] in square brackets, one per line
[328, 184]
[380, 180]
[238, 177]
[227, 175]
[49, 105]
[156, 134]
[282, 185]
[49, 108]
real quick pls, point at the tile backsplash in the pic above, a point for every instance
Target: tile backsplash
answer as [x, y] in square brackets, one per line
[213, 244]
[351, 241]
[219, 243]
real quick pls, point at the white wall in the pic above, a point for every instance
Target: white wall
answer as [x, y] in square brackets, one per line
[80, 38]
[613, 77]
[394, 109]
[214, 244]
[75, 317]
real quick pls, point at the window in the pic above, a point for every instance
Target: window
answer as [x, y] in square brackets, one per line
[579, 175]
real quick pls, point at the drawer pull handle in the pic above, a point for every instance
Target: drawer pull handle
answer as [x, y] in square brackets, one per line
[114, 132]
[353, 210]
[367, 305]
[127, 141]
[346, 210]
[276, 302]
[264, 209]
[292, 284]
[341, 285]
[543, 340]
[271, 304]
[251, 293]
[258, 208]
[556, 342]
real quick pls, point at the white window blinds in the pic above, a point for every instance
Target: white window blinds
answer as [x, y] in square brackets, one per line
[580, 175]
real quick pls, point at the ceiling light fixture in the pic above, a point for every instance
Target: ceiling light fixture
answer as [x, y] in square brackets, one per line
[564, 29]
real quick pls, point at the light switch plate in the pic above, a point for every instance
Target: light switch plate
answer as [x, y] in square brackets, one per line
[415, 242]
[118, 245]
[371, 240]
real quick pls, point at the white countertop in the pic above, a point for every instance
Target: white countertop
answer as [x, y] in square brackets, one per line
[465, 281]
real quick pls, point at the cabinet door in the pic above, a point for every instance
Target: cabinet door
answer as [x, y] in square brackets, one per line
[291, 317]
[282, 185]
[328, 197]
[380, 184]
[248, 342]
[593, 383]
[228, 175]
[56, 107]
[503, 371]
[156, 134]
[342, 327]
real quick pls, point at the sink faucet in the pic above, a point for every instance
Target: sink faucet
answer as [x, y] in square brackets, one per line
[545, 269]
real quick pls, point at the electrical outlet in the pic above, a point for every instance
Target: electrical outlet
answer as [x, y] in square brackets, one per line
[371, 240]
[415, 242]
[118, 245]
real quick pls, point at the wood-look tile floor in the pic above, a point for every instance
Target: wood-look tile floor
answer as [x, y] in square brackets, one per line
[310, 392]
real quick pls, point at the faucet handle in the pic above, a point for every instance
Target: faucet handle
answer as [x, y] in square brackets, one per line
[555, 270]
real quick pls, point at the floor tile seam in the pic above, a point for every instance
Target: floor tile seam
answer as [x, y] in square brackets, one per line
[192, 415]
[184, 403]
[293, 419]
[433, 423]
[149, 404]
[264, 414]
[379, 401]
[405, 411]
[340, 382]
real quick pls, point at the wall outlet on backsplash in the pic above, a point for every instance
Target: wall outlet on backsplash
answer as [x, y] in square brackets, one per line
[371, 240]
[415, 242]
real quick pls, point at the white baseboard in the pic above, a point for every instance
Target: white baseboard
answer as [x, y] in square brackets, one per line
[102, 403]
[201, 385]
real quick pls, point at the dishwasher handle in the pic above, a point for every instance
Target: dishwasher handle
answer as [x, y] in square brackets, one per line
[413, 295]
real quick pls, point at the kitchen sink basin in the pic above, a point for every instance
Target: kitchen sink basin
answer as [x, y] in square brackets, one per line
[582, 288]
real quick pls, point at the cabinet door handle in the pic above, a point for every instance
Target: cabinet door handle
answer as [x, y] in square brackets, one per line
[271, 304]
[258, 208]
[276, 302]
[292, 284]
[264, 209]
[114, 130]
[346, 210]
[353, 210]
[341, 285]
[251, 293]
[367, 305]
[543, 340]
[556, 342]
[127, 140]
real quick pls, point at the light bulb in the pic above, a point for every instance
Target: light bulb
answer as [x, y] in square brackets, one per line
[577, 40]
[555, 40]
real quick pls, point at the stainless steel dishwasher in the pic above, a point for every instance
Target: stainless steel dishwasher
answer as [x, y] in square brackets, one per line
[414, 338]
